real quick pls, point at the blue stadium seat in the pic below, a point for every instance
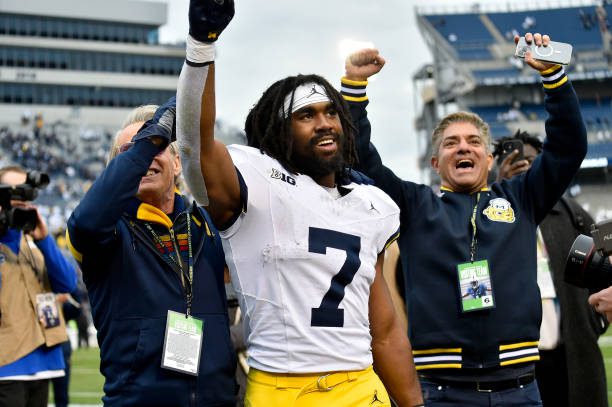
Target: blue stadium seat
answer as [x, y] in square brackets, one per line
[491, 115]
[599, 150]
[563, 25]
[465, 33]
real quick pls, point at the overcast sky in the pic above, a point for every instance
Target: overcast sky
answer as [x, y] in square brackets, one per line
[270, 39]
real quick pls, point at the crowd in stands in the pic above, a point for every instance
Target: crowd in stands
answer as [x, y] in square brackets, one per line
[71, 165]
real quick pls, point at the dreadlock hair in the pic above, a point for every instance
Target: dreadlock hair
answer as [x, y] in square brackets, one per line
[525, 137]
[268, 125]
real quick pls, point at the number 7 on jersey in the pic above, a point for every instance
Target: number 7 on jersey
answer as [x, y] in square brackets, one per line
[328, 314]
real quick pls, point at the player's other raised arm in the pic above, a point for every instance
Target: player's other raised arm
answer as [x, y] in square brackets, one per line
[207, 165]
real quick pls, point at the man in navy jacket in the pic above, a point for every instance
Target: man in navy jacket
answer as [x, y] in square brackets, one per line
[474, 351]
[144, 251]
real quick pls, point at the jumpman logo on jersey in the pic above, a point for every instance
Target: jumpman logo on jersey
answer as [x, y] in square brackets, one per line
[375, 398]
[372, 208]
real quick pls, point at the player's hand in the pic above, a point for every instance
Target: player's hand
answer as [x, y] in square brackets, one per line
[362, 64]
[508, 169]
[208, 18]
[161, 128]
[539, 40]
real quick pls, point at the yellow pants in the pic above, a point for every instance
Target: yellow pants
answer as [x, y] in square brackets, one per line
[338, 389]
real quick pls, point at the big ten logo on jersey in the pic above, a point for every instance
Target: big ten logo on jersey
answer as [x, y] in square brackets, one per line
[276, 174]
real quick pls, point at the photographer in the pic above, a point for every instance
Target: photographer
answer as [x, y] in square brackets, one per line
[31, 269]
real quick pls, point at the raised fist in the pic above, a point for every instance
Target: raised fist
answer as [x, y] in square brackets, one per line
[362, 64]
[208, 18]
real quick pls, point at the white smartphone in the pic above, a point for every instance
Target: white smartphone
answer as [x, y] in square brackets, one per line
[555, 52]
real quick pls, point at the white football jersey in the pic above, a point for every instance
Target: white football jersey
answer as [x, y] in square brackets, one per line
[302, 262]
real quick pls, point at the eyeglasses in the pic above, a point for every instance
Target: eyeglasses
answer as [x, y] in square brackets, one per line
[126, 146]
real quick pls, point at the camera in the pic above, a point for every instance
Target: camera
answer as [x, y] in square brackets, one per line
[587, 264]
[21, 218]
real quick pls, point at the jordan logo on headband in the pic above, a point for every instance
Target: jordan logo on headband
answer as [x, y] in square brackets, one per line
[304, 95]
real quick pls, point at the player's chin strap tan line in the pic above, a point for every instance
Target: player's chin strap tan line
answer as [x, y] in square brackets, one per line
[189, 95]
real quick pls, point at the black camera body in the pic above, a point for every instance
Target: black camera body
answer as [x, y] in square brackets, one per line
[20, 218]
[588, 263]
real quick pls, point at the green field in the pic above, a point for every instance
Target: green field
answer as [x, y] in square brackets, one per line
[605, 343]
[86, 381]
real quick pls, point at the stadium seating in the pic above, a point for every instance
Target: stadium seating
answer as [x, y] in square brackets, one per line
[465, 33]
[563, 24]
[496, 117]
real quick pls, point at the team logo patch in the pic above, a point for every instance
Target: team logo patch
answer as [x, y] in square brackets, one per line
[276, 174]
[499, 210]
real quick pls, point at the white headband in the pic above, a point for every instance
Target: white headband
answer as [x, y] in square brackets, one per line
[304, 95]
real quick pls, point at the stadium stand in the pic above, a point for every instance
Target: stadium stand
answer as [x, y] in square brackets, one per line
[564, 24]
[466, 33]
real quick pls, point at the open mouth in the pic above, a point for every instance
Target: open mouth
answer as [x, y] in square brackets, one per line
[464, 164]
[151, 171]
[325, 141]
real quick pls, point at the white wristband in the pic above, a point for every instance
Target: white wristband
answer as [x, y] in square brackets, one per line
[199, 52]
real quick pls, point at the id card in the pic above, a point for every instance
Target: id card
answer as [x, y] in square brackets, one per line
[46, 308]
[475, 288]
[182, 343]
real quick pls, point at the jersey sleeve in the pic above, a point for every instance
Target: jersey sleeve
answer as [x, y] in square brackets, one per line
[249, 167]
[390, 222]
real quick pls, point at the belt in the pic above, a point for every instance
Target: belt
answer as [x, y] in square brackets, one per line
[485, 386]
[308, 382]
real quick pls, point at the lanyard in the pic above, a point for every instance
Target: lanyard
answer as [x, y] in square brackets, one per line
[473, 222]
[178, 260]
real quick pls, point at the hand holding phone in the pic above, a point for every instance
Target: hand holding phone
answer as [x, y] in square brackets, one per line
[554, 52]
[509, 146]
[509, 168]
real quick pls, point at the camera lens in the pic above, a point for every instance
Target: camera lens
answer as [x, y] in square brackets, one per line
[586, 267]
[37, 179]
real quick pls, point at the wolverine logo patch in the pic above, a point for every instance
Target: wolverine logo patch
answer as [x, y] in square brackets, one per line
[499, 210]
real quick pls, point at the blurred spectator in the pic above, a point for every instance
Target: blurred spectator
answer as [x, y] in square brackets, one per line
[528, 23]
[586, 19]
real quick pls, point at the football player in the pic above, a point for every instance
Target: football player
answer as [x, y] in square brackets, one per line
[304, 244]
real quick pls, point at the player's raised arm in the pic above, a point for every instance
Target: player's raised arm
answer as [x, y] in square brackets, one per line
[208, 168]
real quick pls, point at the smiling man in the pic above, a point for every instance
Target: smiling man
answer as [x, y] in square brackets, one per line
[304, 248]
[153, 265]
[474, 351]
